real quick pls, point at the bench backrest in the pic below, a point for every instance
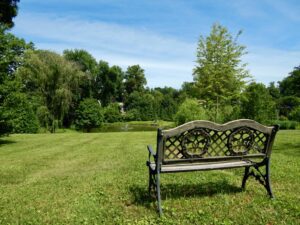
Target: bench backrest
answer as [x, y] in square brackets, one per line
[207, 141]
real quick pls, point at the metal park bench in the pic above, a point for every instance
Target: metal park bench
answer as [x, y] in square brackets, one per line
[203, 145]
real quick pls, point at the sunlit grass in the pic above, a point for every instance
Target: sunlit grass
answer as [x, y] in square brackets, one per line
[101, 178]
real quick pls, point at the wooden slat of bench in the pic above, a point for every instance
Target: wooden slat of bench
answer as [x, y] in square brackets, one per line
[201, 166]
[219, 127]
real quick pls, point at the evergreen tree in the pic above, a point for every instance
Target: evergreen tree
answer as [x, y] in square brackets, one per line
[220, 74]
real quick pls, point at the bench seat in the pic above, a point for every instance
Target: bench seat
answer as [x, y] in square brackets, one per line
[170, 168]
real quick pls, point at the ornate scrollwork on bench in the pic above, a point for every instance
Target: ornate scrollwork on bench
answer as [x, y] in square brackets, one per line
[195, 143]
[240, 141]
[206, 142]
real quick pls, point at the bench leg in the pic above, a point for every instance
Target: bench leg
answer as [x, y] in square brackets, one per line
[268, 182]
[263, 178]
[246, 176]
[154, 188]
[152, 183]
[158, 193]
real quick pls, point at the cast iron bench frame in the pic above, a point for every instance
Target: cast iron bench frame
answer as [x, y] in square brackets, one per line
[203, 145]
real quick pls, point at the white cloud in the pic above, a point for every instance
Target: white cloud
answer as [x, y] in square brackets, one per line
[268, 64]
[166, 60]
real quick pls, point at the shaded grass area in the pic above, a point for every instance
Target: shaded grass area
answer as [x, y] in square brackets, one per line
[101, 178]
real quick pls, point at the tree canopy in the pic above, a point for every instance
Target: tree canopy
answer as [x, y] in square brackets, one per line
[8, 10]
[220, 73]
[44, 89]
[290, 85]
[54, 79]
[134, 79]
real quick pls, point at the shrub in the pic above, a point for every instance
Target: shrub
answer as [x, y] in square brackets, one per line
[112, 113]
[190, 110]
[295, 114]
[20, 113]
[286, 124]
[5, 124]
[131, 115]
[258, 103]
[89, 115]
[287, 104]
[141, 106]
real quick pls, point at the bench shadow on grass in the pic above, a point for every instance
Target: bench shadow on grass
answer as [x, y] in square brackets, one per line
[6, 142]
[140, 194]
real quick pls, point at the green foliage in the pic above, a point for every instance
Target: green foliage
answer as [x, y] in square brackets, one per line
[290, 86]
[54, 79]
[134, 79]
[141, 106]
[225, 113]
[190, 90]
[287, 103]
[295, 114]
[21, 114]
[220, 74]
[108, 83]
[5, 123]
[54, 85]
[44, 117]
[286, 124]
[8, 10]
[190, 110]
[88, 65]
[12, 54]
[258, 103]
[167, 101]
[112, 113]
[89, 115]
[274, 91]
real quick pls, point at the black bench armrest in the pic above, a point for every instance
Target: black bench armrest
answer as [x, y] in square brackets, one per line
[151, 153]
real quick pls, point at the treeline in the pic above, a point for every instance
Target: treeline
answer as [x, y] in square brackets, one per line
[41, 89]
[48, 90]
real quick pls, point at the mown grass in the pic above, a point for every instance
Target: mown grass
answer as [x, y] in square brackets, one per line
[101, 178]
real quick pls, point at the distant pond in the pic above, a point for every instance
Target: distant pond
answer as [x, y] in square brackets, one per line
[126, 127]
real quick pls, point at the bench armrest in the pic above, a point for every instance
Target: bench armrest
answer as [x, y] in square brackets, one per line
[151, 153]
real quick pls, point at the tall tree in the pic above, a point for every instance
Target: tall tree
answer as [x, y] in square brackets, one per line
[12, 50]
[290, 86]
[258, 103]
[134, 79]
[274, 90]
[108, 83]
[87, 64]
[54, 79]
[8, 10]
[220, 73]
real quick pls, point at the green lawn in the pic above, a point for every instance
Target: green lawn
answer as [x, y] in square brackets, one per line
[101, 178]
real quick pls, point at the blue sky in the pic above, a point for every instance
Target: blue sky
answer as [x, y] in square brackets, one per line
[161, 35]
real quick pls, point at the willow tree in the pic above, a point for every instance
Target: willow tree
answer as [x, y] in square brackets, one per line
[220, 74]
[53, 80]
[87, 64]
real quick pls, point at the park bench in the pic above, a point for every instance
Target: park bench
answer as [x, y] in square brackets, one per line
[204, 145]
